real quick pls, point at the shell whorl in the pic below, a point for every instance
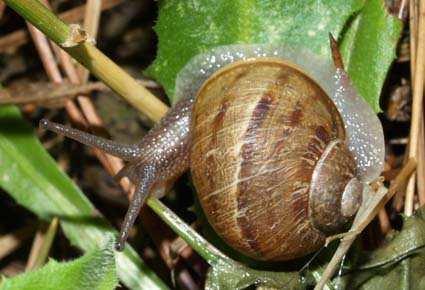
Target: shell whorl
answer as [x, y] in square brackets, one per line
[259, 128]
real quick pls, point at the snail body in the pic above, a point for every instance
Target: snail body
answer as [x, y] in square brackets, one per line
[272, 156]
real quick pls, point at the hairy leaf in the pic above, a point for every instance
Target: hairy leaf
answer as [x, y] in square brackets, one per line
[94, 271]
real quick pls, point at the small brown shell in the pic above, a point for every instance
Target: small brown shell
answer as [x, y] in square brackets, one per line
[259, 128]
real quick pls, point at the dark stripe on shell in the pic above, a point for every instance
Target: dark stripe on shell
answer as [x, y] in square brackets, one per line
[247, 168]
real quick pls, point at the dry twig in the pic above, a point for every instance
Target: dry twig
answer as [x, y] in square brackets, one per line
[91, 25]
[12, 241]
[2, 8]
[418, 66]
[52, 94]
[46, 93]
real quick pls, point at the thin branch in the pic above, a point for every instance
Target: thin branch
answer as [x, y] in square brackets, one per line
[2, 8]
[14, 40]
[43, 93]
[384, 221]
[47, 57]
[402, 9]
[91, 25]
[417, 105]
[420, 173]
[10, 242]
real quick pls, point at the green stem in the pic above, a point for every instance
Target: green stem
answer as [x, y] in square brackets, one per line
[90, 57]
[207, 251]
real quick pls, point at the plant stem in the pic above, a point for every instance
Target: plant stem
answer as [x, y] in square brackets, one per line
[90, 57]
[19, 37]
[207, 251]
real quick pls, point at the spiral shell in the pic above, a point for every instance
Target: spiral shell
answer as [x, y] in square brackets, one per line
[274, 169]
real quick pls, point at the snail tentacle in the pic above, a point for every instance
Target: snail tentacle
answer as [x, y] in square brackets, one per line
[164, 159]
[155, 162]
[124, 151]
[336, 54]
[141, 193]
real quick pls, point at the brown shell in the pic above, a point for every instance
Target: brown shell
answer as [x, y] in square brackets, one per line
[259, 128]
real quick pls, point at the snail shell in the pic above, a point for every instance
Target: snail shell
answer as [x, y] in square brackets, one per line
[270, 159]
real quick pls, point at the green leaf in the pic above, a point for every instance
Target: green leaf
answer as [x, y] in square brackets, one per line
[399, 264]
[33, 179]
[94, 271]
[235, 276]
[368, 48]
[402, 244]
[407, 274]
[187, 28]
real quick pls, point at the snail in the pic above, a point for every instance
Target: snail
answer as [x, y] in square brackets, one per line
[278, 143]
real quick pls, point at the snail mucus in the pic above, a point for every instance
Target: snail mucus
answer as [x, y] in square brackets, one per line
[278, 142]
